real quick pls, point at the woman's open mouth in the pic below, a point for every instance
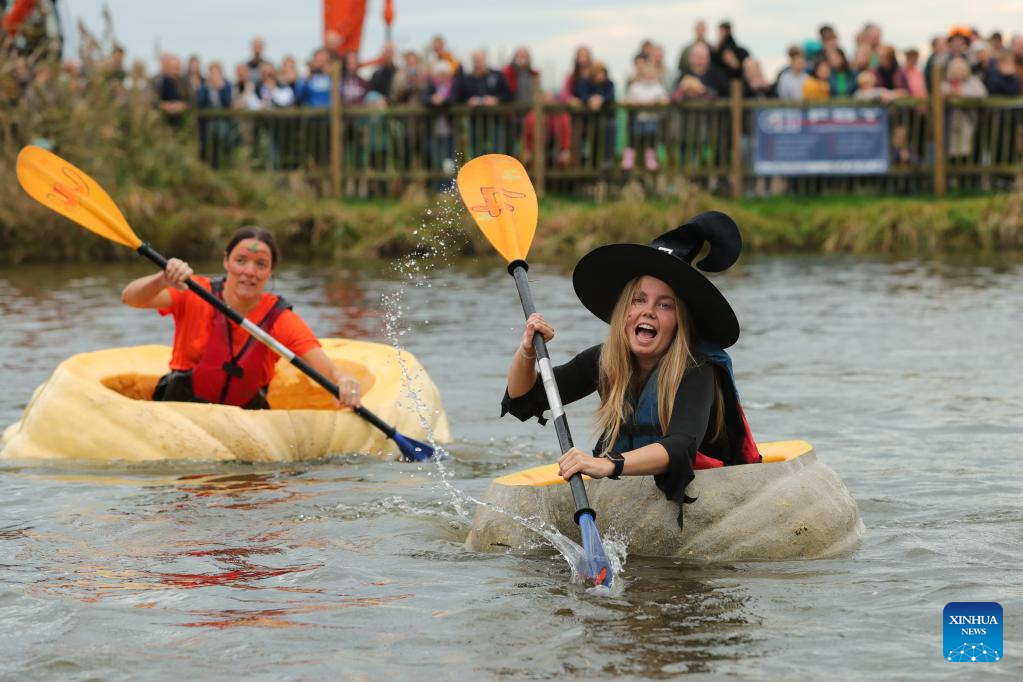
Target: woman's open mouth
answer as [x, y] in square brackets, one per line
[645, 332]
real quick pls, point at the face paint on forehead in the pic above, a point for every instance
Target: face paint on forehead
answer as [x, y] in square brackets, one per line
[254, 245]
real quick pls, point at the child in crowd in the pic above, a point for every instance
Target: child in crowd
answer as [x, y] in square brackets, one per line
[645, 89]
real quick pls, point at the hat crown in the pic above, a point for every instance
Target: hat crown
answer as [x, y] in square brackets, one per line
[714, 228]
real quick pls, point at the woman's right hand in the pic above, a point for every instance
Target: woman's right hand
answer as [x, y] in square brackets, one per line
[534, 323]
[177, 273]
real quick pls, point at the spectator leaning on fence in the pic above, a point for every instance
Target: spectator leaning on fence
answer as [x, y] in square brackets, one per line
[702, 80]
[1004, 80]
[728, 55]
[843, 80]
[383, 77]
[817, 86]
[792, 77]
[887, 67]
[960, 82]
[439, 94]
[410, 81]
[244, 89]
[1017, 51]
[645, 89]
[215, 92]
[699, 38]
[870, 38]
[440, 53]
[193, 78]
[828, 37]
[598, 90]
[171, 91]
[868, 89]
[270, 91]
[482, 86]
[657, 60]
[288, 76]
[980, 52]
[938, 59]
[519, 74]
[863, 58]
[582, 67]
[754, 84]
[315, 90]
[911, 78]
[353, 86]
[256, 60]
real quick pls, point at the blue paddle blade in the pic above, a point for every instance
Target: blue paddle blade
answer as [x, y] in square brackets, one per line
[594, 567]
[412, 450]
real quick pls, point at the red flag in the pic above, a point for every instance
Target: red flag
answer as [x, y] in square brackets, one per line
[342, 24]
[21, 10]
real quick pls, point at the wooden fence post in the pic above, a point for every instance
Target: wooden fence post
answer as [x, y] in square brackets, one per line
[938, 131]
[539, 137]
[336, 137]
[736, 108]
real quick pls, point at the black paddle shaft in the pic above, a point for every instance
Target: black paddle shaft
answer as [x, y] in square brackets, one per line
[261, 335]
[517, 269]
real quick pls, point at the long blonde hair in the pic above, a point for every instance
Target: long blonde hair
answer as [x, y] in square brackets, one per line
[617, 368]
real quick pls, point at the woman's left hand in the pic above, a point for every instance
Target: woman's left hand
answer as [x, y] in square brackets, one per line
[575, 461]
[349, 391]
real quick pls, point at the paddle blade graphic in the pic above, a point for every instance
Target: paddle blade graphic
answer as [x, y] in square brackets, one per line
[61, 187]
[500, 197]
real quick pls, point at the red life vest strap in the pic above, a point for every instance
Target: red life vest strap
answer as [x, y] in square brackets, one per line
[229, 378]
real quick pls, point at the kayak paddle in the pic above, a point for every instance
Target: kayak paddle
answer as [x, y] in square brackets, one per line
[67, 190]
[501, 199]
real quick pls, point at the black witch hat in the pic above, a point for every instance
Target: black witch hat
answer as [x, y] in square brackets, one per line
[601, 275]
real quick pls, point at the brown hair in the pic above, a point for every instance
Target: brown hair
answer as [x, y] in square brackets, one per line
[260, 235]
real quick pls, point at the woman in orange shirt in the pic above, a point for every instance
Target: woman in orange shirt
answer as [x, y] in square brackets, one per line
[214, 360]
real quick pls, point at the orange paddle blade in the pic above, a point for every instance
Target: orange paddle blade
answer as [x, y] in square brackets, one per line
[61, 187]
[501, 199]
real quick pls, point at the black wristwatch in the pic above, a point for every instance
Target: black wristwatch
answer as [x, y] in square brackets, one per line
[619, 462]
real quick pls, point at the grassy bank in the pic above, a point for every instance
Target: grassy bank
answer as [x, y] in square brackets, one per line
[191, 218]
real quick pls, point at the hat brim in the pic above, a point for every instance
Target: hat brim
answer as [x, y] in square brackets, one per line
[601, 275]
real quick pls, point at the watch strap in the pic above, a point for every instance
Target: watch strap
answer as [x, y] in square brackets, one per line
[619, 462]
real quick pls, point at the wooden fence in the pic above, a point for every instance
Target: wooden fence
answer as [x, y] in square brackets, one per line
[935, 144]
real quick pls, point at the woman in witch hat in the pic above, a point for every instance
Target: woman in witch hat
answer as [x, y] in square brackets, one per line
[668, 403]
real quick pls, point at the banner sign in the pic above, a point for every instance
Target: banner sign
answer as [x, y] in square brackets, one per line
[820, 141]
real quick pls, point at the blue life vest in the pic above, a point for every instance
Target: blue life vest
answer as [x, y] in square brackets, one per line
[644, 427]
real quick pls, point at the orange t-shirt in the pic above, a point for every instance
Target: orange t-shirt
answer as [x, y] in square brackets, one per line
[193, 319]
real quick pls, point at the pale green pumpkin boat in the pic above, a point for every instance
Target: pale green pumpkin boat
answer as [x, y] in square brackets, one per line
[791, 506]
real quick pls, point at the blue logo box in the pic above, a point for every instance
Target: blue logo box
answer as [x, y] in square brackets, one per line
[972, 631]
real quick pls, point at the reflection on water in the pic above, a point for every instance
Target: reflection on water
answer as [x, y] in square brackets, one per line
[900, 373]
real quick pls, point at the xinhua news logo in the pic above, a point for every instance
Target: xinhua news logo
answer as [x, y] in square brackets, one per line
[972, 631]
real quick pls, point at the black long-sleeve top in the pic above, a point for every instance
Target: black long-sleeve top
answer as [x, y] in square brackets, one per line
[687, 430]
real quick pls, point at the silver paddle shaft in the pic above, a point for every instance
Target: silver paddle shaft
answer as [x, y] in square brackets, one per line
[582, 504]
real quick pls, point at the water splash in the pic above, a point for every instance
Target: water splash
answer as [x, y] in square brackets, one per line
[437, 237]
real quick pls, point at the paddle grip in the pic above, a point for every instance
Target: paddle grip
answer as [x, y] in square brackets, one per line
[260, 334]
[517, 269]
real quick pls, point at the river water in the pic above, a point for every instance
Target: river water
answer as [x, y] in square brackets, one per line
[905, 375]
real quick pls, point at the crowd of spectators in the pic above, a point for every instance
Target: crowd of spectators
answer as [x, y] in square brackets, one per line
[972, 65]
[819, 69]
